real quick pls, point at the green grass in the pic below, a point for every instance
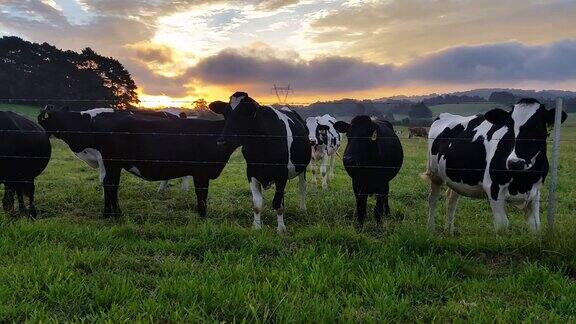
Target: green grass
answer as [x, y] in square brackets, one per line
[28, 111]
[161, 263]
[465, 109]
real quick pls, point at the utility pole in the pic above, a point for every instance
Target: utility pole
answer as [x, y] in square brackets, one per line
[282, 93]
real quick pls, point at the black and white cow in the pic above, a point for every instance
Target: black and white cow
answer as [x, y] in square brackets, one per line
[24, 153]
[275, 145]
[325, 141]
[372, 158]
[149, 147]
[499, 155]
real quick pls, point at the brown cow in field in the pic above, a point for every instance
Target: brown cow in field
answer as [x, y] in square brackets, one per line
[417, 132]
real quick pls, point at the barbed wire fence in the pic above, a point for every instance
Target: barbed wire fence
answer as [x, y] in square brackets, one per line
[555, 140]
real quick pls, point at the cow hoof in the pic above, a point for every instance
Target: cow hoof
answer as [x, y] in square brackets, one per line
[256, 226]
[281, 229]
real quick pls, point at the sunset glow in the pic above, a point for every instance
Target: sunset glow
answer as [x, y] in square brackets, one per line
[178, 52]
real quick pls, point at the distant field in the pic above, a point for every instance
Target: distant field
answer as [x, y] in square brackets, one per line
[161, 263]
[465, 109]
[29, 111]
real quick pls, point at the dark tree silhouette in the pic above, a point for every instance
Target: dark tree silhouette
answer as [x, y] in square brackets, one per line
[82, 80]
[420, 111]
[503, 97]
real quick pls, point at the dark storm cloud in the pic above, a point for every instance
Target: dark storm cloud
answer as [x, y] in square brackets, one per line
[328, 73]
[505, 62]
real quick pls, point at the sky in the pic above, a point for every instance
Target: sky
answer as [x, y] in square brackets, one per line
[325, 49]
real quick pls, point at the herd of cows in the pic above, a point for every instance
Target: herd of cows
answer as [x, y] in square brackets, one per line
[500, 155]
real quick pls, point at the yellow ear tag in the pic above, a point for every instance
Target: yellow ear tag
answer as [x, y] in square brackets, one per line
[374, 135]
[45, 116]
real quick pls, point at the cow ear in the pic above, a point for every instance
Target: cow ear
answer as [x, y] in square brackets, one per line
[219, 107]
[497, 116]
[341, 126]
[551, 115]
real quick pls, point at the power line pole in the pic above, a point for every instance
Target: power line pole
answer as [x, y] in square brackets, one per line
[282, 93]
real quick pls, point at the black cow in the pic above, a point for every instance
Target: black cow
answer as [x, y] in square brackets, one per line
[149, 147]
[372, 158]
[275, 145]
[24, 153]
[499, 155]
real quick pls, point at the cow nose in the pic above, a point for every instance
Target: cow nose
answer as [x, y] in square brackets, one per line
[312, 142]
[516, 165]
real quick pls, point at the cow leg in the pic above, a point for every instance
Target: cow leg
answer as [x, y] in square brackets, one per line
[361, 200]
[451, 202]
[186, 184]
[499, 212]
[163, 186]
[8, 200]
[257, 201]
[278, 205]
[532, 211]
[313, 164]
[323, 165]
[29, 192]
[379, 209]
[332, 158]
[432, 201]
[201, 188]
[302, 189]
[110, 183]
[20, 195]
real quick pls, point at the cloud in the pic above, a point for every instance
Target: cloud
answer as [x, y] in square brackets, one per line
[499, 63]
[400, 30]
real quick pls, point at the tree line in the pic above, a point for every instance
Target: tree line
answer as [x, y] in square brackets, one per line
[31, 71]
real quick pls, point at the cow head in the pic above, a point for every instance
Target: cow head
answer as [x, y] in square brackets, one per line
[528, 125]
[62, 123]
[239, 115]
[362, 145]
[317, 132]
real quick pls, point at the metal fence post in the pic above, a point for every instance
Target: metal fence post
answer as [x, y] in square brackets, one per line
[554, 165]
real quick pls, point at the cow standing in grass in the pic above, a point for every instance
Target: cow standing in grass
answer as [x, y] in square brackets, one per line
[417, 132]
[150, 147]
[24, 153]
[275, 145]
[500, 155]
[325, 141]
[372, 158]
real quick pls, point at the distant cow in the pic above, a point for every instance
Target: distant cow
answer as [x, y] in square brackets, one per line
[372, 158]
[325, 141]
[24, 153]
[149, 147]
[417, 132]
[275, 145]
[499, 155]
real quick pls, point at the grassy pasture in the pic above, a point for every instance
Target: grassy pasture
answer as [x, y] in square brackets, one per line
[161, 263]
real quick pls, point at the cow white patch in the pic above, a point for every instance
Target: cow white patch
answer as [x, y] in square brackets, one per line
[235, 101]
[289, 139]
[93, 158]
[96, 111]
[521, 114]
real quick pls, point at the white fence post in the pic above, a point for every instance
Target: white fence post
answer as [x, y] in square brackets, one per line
[554, 165]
